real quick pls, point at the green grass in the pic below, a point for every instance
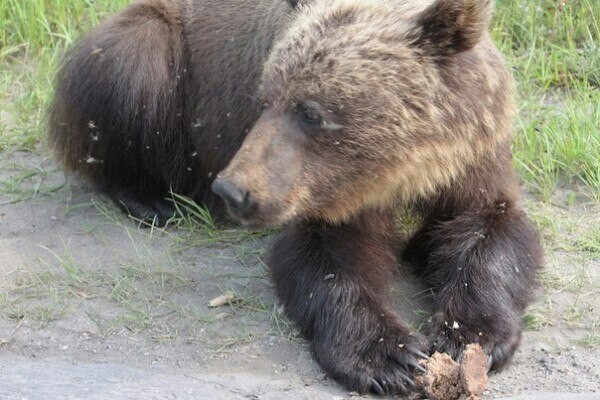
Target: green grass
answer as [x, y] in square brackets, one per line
[149, 287]
[37, 24]
[554, 49]
[33, 37]
[590, 243]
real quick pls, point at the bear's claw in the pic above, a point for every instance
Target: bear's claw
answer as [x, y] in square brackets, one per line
[385, 369]
[416, 365]
[377, 387]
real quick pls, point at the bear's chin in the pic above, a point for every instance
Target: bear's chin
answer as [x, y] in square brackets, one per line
[260, 218]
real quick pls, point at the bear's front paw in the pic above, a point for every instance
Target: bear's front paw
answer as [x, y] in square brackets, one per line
[384, 365]
[452, 338]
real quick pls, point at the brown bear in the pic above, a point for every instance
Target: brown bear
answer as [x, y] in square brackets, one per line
[325, 117]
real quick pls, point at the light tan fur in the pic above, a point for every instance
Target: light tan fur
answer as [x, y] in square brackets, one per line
[415, 123]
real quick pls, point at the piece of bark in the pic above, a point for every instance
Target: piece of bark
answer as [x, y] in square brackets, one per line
[441, 381]
[473, 370]
[445, 379]
[223, 300]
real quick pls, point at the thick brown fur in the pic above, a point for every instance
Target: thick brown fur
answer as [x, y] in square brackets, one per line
[324, 117]
[150, 102]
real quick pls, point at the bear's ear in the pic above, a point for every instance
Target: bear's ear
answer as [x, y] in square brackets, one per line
[451, 26]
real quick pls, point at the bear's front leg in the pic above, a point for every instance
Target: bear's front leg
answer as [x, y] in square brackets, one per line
[332, 281]
[481, 262]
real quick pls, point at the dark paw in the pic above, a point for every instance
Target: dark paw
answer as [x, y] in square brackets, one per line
[452, 338]
[502, 353]
[150, 211]
[386, 366]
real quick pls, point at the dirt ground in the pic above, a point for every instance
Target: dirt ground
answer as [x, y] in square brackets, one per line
[93, 307]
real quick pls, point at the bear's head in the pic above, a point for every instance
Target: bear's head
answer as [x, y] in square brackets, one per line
[368, 102]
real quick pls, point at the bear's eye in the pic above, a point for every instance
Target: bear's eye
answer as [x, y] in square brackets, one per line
[310, 115]
[316, 118]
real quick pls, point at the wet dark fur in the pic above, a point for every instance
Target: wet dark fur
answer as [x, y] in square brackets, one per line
[480, 254]
[160, 97]
[148, 102]
[476, 249]
[333, 281]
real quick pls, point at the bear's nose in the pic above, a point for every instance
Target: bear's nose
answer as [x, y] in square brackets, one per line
[237, 199]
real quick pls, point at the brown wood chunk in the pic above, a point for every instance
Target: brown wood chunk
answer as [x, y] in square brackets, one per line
[473, 370]
[445, 379]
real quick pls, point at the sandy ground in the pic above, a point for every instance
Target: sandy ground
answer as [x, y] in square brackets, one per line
[91, 307]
